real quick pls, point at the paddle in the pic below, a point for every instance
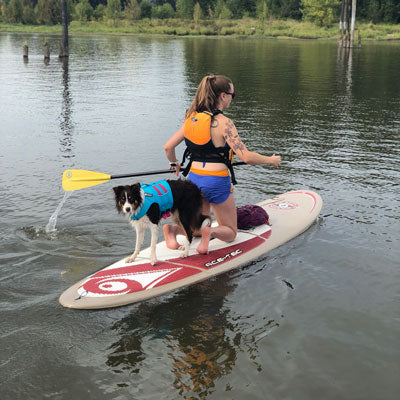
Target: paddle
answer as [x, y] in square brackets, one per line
[75, 179]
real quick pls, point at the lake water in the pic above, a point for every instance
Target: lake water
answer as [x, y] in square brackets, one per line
[333, 115]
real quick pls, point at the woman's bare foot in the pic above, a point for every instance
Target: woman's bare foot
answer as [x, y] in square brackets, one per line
[202, 248]
[170, 237]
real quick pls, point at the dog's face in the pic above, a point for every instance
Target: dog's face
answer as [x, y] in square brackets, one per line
[128, 198]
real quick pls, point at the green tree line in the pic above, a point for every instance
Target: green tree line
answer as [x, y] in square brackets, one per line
[322, 12]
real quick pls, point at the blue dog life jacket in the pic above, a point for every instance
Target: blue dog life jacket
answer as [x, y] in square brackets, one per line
[158, 192]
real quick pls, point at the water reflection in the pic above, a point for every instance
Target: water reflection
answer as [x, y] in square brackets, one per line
[345, 67]
[200, 337]
[66, 123]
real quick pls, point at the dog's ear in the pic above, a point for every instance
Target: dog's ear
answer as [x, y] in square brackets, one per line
[118, 190]
[135, 188]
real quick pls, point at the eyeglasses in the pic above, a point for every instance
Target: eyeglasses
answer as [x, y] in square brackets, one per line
[232, 94]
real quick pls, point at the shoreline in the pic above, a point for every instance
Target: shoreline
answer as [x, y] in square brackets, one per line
[244, 28]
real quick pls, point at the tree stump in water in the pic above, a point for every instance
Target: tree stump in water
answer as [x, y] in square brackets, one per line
[46, 51]
[25, 50]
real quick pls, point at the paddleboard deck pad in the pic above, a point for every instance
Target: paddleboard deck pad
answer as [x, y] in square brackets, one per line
[124, 283]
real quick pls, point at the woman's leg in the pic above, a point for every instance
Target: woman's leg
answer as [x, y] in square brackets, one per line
[225, 214]
[170, 232]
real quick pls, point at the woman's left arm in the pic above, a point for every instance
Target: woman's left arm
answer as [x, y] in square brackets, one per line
[249, 157]
[170, 146]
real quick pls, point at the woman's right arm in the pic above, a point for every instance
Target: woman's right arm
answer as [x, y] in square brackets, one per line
[249, 157]
[169, 148]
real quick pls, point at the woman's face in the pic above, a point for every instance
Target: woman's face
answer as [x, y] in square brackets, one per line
[226, 97]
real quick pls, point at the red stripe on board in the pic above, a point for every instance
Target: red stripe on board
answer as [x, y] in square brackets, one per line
[267, 234]
[134, 278]
[315, 200]
[220, 256]
[311, 195]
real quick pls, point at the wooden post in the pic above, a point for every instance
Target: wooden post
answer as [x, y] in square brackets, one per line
[353, 21]
[25, 51]
[345, 20]
[63, 50]
[46, 51]
[341, 25]
[347, 23]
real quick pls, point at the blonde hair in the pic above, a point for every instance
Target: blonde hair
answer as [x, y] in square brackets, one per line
[207, 93]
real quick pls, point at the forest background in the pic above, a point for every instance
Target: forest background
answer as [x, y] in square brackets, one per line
[376, 19]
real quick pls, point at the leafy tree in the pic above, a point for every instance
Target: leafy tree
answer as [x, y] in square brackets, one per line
[132, 10]
[290, 9]
[222, 10]
[14, 11]
[262, 12]
[321, 12]
[113, 10]
[145, 9]
[48, 12]
[234, 7]
[226, 13]
[185, 8]
[390, 11]
[3, 7]
[83, 10]
[197, 13]
[248, 7]
[99, 12]
[218, 7]
[165, 11]
[274, 7]
[28, 15]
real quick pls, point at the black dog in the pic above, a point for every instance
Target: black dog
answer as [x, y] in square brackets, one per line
[184, 205]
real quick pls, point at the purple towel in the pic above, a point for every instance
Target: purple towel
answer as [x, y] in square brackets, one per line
[250, 215]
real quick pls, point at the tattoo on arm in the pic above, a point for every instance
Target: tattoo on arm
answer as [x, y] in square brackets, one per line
[214, 123]
[235, 142]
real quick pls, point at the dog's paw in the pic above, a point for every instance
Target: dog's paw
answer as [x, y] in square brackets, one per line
[185, 252]
[130, 259]
[153, 261]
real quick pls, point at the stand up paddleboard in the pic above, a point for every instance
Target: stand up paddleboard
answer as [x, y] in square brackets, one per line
[121, 283]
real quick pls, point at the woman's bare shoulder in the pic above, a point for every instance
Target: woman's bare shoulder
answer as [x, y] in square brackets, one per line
[221, 120]
[221, 117]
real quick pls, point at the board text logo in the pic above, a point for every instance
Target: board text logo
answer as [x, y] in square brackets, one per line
[219, 260]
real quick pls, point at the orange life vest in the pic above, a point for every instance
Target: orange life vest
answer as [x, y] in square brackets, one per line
[197, 134]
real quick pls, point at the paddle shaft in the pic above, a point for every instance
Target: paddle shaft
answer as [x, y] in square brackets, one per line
[161, 171]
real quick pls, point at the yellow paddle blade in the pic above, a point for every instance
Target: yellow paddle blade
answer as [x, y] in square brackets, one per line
[75, 179]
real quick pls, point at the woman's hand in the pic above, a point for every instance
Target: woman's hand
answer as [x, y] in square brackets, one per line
[176, 165]
[169, 149]
[275, 160]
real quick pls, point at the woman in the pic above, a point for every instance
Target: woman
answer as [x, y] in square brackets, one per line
[210, 166]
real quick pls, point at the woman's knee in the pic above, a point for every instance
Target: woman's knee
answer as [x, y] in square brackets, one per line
[234, 232]
[231, 236]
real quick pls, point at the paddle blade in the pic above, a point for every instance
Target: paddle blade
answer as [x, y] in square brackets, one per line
[75, 179]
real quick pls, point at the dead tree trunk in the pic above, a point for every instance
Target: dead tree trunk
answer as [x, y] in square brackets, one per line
[347, 23]
[46, 51]
[353, 21]
[341, 27]
[64, 19]
[25, 51]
